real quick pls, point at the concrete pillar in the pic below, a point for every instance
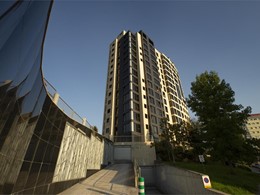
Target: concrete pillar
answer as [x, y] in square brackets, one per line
[84, 121]
[56, 98]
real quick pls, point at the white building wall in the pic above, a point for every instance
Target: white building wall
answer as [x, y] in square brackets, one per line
[143, 101]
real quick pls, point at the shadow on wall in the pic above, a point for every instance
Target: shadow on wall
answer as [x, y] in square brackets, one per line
[173, 180]
[35, 156]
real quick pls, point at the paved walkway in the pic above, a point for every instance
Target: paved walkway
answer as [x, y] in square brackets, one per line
[115, 179]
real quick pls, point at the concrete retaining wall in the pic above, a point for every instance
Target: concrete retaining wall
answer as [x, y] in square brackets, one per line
[143, 153]
[148, 172]
[173, 180]
[79, 153]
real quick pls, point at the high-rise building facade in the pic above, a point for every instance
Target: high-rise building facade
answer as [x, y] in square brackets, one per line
[253, 126]
[143, 86]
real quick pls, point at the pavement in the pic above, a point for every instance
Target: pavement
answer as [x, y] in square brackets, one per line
[113, 180]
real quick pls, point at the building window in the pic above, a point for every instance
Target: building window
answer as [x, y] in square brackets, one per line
[108, 111]
[136, 97]
[126, 97]
[127, 117]
[155, 129]
[126, 106]
[152, 108]
[158, 96]
[148, 70]
[136, 116]
[135, 80]
[149, 76]
[138, 128]
[135, 73]
[150, 84]
[150, 91]
[127, 127]
[126, 81]
[151, 100]
[107, 120]
[154, 120]
[134, 65]
[135, 88]
[136, 106]
[158, 103]
[160, 112]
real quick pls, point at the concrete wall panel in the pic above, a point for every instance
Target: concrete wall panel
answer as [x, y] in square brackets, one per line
[172, 180]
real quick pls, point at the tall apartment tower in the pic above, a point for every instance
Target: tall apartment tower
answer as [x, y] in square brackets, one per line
[143, 86]
[253, 126]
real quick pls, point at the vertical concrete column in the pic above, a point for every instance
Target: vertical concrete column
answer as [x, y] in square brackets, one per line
[84, 121]
[56, 98]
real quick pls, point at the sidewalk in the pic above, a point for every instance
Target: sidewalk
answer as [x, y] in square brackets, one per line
[115, 179]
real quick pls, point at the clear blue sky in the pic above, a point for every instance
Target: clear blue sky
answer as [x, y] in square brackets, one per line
[223, 36]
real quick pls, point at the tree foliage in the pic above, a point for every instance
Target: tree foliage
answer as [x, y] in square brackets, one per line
[174, 140]
[95, 128]
[222, 121]
[197, 139]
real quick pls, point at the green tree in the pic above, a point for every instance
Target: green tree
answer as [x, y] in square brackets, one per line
[173, 140]
[212, 100]
[163, 152]
[95, 128]
[167, 138]
[251, 151]
[197, 139]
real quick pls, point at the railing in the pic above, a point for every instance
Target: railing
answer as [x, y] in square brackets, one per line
[64, 106]
[129, 138]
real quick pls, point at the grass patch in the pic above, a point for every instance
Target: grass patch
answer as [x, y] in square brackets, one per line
[227, 179]
[229, 189]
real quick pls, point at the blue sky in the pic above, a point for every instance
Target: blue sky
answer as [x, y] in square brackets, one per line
[223, 36]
